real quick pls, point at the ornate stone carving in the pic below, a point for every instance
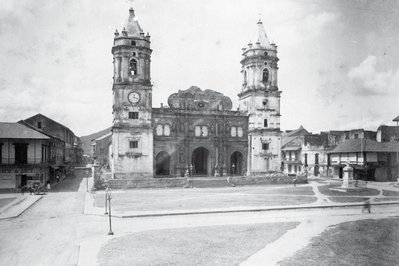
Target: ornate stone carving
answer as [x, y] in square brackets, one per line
[197, 99]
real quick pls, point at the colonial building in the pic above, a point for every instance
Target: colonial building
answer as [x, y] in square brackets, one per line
[73, 154]
[24, 156]
[292, 142]
[198, 132]
[371, 160]
[101, 147]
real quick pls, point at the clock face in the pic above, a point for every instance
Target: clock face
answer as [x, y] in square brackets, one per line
[134, 97]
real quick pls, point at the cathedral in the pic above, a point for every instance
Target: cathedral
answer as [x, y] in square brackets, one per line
[197, 133]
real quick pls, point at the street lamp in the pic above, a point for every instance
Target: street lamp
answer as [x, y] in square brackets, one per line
[106, 199]
[108, 194]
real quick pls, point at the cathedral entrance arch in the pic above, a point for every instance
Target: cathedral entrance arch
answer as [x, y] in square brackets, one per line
[236, 161]
[201, 161]
[162, 163]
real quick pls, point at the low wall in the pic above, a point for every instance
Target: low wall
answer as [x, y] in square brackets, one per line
[267, 179]
[147, 183]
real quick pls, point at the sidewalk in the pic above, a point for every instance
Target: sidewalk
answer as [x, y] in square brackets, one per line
[18, 205]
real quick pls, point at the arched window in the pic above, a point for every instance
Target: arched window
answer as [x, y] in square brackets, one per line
[265, 123]
[133, 67]
[204, 131]
[166, 130]
[159, 130]
[265, 75]
[233, 131]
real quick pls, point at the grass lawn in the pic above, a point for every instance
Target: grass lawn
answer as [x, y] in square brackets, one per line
[390, 193]
[367, 192]
[191, 199]
[366, 242]
[211, 245]
[5, 201]
[347, 199]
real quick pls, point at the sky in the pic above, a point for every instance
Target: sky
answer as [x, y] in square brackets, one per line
[338, 67]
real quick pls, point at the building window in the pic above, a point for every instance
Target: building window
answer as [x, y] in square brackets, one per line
[306, 159]
[356, 136]
[133, 115]
[39, 124]
[1, 153]
[159, 130]
[166, 130]
[265, 75]
[133, 67]
[245, 77]
[233, 131]
[204, 131]
[21, 153]
[265, 146]
[316, 158]
[133, 144]
[133, 43]
[240, 133]
[265, 123]
[265, 53]
[197, 131]
[201, 131]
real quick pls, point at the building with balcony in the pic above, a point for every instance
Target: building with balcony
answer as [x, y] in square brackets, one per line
[73, 152]
[25, 156]
[291, 150]
[371, 160]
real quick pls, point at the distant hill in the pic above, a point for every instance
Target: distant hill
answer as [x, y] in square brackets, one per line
[86, 140]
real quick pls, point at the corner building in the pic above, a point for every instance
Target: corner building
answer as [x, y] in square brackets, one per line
[198, 131]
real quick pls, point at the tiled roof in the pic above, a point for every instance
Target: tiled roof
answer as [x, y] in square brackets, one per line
[366, 145]
[18, 131]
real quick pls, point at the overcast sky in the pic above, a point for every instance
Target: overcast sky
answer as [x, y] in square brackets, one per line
[339, 66]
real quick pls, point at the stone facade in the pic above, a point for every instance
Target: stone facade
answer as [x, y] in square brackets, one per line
[260, 99]
[197, 133]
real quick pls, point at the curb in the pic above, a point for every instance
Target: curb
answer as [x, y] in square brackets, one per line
[19, 212]
[238, 210]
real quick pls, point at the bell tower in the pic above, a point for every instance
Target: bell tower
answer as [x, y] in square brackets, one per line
[260, 98]
[132, 137]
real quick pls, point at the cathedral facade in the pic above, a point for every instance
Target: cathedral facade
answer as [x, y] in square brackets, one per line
[197, 133]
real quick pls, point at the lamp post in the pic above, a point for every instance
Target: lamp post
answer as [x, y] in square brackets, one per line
[87, 180]
[109, 212]
[106, 199]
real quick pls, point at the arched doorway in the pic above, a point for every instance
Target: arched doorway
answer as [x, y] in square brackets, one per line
[201, 161]
[162, 163]
[236, 159]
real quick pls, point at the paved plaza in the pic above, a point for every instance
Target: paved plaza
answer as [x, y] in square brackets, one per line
[263, 225]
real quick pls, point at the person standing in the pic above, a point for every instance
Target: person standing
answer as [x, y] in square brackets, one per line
[367, 206]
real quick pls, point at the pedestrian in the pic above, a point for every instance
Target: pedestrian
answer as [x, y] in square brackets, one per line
[295, 182]
[48, 185]
[367, 206]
